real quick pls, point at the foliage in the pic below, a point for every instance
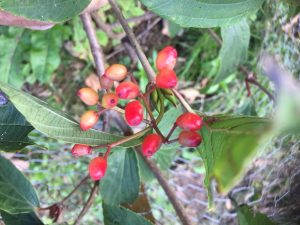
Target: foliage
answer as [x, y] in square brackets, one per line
[248, 217]
[14, 129]
[234, 48]
[53, 122]
[204, 14]
[114, 215]
[53, 11]
[16, 193]
[21, 219]
[122, 182]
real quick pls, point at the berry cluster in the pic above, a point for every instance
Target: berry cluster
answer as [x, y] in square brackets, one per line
[128, 88]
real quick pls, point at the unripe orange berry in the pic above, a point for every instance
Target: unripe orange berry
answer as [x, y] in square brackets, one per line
[97, 168]
[189, 121]
[88, 96]
[134, 113]
[81, 150]
[127, 90]
[189, 138]
[105, 82]
[166, 79]
[88, 120]
[151, 144]
[116, 72]
[166, 58]
[109, 100]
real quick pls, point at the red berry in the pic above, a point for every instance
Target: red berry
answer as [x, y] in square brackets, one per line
[89, 119]
[127, 90]
[166, 58]
[97, 168]
[105, 82]
[81, 150]
[134, 113]
[109, 100]
[151, 144]
[166, 79]
[189, 138]
[116, 72]
[189, 121]
[88, 96]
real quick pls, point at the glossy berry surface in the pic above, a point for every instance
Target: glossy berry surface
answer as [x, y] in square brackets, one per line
[134, 113]
[105, 82]
[81, 150]
[151, 144]
[88, 120]
[116, 72]
[166, 58]
[109, 100]
[189, 138]
[189, 121]
[97, 168]
[88, 96]
[166, 79]
[127, 90]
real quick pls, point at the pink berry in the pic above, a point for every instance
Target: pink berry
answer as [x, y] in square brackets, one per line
[81, 150]
[189, 121]
[127, 90]
[189, 138]
[134, 113]
[97, 168]
[166, 79]
[151, 144]
[166, 58]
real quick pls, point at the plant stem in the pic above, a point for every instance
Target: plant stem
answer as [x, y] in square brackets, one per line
[171, 131]
[75, 189]
[88, 204]
[124, 140]
[95, 47]
[150, 72]
[169, 192]
[153, 121]
[182, 101]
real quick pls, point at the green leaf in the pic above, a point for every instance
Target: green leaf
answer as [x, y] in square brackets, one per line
[203, 13]
[247, 217]
[121, 183]
[229, 143]
[55, 123]
[14, 129]
[50, 10]
[234, 48]
[16, 193]
[44, 53]
[20, 219]
[13, 47]
[114, 215]
[166, 153]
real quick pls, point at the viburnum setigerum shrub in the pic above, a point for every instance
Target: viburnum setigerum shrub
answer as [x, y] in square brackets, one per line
[128, 89]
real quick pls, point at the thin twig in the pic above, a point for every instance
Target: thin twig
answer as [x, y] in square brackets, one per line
[95, 47]
[215, 36]
[136, 19]
[75, 189]
[169, 192]
[150, 72]
[105, 27]
[182, 101]
[88, 204]
[249, 76]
